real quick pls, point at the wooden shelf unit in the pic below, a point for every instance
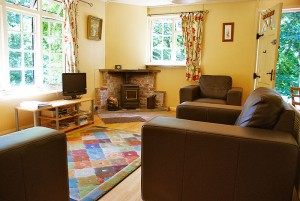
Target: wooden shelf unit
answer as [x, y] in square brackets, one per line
[55, 121]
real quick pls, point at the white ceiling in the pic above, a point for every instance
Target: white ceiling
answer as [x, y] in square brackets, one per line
[153, 3]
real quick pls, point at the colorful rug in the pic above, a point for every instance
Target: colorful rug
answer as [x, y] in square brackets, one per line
[98, 159]
[113, 120]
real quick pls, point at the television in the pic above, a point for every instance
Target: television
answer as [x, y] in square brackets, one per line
[73, 85]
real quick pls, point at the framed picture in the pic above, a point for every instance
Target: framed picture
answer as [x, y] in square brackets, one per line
[94, 28]
[228, 32]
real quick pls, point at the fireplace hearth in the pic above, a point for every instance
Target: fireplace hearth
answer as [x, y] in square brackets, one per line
[130, 96]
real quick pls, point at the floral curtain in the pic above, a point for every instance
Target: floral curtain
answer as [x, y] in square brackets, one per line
[71, 35]
[192, 30]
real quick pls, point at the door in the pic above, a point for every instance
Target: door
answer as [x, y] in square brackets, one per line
[268, 43]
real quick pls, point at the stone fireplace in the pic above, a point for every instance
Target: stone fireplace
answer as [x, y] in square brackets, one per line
[130, 87]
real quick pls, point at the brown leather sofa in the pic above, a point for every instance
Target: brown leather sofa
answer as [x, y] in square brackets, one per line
[248, 153]
[34, 166]
[215, 89]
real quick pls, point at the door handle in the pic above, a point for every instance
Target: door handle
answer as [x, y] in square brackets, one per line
[271, 73]
[255, 76]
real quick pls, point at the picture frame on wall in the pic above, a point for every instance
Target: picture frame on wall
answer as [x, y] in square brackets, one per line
[94, 28]
[228, 32]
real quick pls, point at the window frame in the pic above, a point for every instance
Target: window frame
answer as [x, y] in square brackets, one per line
[172, 62]
[40, 16]
[35, 49]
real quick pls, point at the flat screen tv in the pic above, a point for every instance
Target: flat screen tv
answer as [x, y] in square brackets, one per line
[73, 85]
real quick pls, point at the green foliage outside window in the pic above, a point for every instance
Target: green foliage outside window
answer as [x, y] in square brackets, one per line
[52, 52]
[288, 65]
[167, 41]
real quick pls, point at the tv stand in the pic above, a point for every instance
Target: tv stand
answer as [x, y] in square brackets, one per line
[63, 115]
[72, 97]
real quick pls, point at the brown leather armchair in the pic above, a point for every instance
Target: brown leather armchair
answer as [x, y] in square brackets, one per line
[248, 153]
[34, 166]
[215, 89]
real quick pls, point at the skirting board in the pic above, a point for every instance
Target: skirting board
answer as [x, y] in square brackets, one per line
[14, 129]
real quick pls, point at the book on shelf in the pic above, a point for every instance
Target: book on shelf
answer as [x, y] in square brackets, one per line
[41, 105]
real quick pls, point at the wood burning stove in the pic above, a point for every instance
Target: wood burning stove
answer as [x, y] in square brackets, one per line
[130, 96]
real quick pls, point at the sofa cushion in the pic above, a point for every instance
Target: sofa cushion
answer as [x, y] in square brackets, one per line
[214, 86]
[210, 100]
[262, 109]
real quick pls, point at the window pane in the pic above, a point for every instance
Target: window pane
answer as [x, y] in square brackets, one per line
[157, 54]
[167, 41]
[180, 55]
[14, 21]
[29, 77]
[157, 41]
[15, 77]
[25, 3]
[167, 55]
[10, 1]
[52, 72]
[56, 29]
[179, 41]
[168, 28]
[56, 46]
[45, 28]
[56, 60]
[45, 5]
[45, 61]
[15, 59]
[28, 41]
[178, 26]
[54, 7]
[45, 45]
[61, 14]
[29, 59]
[28, 24]
[157, 28]
[14, 41]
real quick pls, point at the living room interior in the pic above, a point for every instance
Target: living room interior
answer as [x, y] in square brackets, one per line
[125, 42]
[118, 37]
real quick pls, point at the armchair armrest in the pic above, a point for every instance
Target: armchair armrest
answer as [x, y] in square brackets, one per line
[234, 96]
[185, 160]
[189, 93]
[208, 112]
[34, 165]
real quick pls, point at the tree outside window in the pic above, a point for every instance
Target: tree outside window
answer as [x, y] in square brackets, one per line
[166, 40]
[288, 65]
[23, 49]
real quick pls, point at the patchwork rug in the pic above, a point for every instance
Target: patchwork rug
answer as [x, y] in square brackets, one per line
[98, 159]
[112, 120]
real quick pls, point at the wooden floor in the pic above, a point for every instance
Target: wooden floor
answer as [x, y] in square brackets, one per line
[130, 188]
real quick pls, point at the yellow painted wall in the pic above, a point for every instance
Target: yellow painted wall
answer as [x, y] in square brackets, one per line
[91, 56]
[91, 52]
[236, 58]
[126, 36]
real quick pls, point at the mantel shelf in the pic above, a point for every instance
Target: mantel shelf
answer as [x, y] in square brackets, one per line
[129, 71]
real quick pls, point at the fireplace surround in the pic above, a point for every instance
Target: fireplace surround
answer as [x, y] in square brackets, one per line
[113, 80]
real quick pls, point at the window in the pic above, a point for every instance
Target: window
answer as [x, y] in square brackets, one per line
[21, 37]
[166, 41]
[31, 44]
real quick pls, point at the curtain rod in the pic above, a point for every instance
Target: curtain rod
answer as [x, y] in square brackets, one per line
[91, 4]
[202, 11]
